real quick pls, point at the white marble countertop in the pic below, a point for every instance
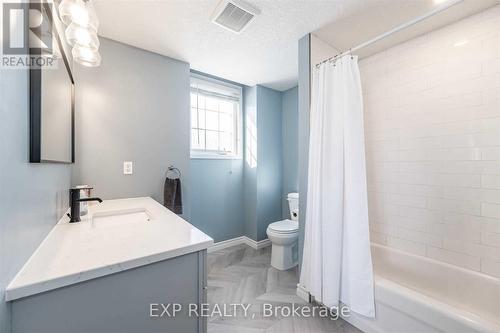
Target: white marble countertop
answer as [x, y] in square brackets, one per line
[76, 252]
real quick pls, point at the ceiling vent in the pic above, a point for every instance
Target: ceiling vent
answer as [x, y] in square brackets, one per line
[234, 15]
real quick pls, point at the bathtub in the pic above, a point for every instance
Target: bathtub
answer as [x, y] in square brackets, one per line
[417, 294]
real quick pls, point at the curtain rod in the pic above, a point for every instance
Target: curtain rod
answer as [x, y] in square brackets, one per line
[401, 27]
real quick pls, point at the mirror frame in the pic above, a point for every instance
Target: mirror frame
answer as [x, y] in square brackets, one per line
[35, 94]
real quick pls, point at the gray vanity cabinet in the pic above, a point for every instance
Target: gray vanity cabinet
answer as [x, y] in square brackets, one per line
[120, 302]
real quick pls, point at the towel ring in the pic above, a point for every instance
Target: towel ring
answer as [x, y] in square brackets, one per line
[174, 169]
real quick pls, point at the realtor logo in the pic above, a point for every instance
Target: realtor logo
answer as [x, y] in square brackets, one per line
[27, 38]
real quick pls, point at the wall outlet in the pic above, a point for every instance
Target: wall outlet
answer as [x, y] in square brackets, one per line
[128, 168]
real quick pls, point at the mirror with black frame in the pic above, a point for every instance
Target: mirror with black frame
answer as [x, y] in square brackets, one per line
[52, 102]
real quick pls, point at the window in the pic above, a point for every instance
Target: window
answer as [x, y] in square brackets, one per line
[215, 118]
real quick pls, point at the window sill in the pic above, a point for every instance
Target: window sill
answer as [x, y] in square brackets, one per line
[197, 156]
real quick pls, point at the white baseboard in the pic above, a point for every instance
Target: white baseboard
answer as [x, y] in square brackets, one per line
[237, 241]
[256, 245]
[227, 243]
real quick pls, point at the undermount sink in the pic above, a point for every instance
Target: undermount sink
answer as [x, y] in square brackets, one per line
[121, 217]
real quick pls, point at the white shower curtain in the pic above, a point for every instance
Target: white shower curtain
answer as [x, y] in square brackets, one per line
[337, 263]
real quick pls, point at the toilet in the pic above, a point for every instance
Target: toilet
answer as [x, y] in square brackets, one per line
[284, 235]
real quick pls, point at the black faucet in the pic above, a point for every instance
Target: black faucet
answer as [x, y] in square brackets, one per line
[74, 201]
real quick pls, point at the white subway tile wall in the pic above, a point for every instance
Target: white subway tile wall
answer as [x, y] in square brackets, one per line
[432, 130]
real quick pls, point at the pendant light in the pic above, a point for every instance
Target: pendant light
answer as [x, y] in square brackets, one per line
[81, 31]
[85, 56]
[79, 35]
[73, 10]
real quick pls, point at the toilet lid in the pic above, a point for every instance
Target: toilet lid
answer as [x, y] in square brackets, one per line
[285, 226]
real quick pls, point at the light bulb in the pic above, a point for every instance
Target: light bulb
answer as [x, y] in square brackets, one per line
[86, 56]
[73, 11]
[79, 35]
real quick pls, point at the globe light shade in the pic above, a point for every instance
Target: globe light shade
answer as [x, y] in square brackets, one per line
[73, 11]
[93, 22]
[85, 56]
[79, 35]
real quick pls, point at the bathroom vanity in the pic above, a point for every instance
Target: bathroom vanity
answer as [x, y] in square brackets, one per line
[115, 271]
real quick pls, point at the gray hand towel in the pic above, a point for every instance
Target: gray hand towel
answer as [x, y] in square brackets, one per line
[172, 197]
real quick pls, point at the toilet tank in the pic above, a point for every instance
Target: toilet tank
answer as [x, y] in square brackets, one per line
[293, 204]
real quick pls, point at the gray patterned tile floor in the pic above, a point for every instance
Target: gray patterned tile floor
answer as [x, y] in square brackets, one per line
[241, 274]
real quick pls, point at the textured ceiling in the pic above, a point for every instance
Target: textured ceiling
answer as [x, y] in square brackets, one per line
[265, 53]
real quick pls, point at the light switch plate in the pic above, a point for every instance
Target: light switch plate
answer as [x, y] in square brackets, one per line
[128, 168]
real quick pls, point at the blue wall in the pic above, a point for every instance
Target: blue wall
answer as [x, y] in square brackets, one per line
[134, 107]
[270, 159]
[249, 172]
[217, 197]
[263, 183]
[33, 196]
[217, 192]
[290, 133]
[231, 198]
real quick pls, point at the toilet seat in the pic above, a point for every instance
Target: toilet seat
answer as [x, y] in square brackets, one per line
[284, 227]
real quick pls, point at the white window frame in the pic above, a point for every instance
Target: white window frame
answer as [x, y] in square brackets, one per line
[206, 154]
